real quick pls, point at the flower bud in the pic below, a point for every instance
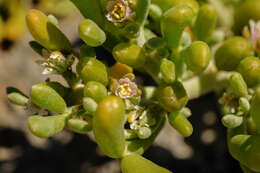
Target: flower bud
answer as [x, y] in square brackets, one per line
[80, 126]
[179, 122]
[91, 69]
[231, 52]
[89, 105]
[45, 32]
[238, 85]
[95, 90]
[232, 121]
[174, 22]
[134, 163]
[250, 70]
[172, 98]
[48, 95]
[45, 127]
[197, 56]
[130, 54]
[119, 70]
[205, 22]
[244, 104]
[91, 34]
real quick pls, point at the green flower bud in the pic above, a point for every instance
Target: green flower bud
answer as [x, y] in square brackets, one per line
[205, 22]
[167, 69]
[48, 95]
[244, 104]
[108, 126]
[231, 52]
[129, 54]
[246, 10]
[16, 97]
[91, 69]
[89, 105]
[174, 22]
[179, 122]
[238, 85]
[245, 149]
[45, 32]
[255, 109]
[167, 4]
[45, 127]
[250, 70]
[135, 163]
[91, 34]
[144, 132]
[232, 121]
[80, 126]
[172, 98]
[95, 90]
[197, 56]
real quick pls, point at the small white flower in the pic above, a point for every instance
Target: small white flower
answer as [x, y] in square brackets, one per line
[254, 32]
[126, 89]
[118, 11]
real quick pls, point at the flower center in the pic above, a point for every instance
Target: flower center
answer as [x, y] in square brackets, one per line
[125, 89]
[119, 11]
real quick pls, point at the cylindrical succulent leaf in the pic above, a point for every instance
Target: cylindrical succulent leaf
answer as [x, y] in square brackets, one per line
[179, 122]
[238, 85]
[16, 97]
[129, 54]
[197, 56]
[108, 126]
[79, 125]
[45, 127]
[250, 70]
[91, 69]
[48, 95]
[167, 69]
[95, 90]
[174, 22]
[173, 97]
[91, 34]
[231, 52]
[45, 32]
[205, 22]
[232, 121]
[135, 163]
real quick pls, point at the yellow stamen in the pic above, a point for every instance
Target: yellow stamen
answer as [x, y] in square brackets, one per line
[119, 11]
[125, 89]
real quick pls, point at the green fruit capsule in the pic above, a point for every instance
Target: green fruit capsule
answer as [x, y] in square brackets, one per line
[245, 149]
[255, 109]
[231, 52]
[246, 10]
[238, 85]
[167, 69]
[173, 23]
[179, 122]
[80, 126]
[197, 56]
[108, 126]
[95, 90]
[91, 34]
[250, 70]
[129, 54]
[167, 4]
[172, 98]
[45, 32]
[205, 22]
[91, 69]
[48, 95]
[134, 163]
[45, 127]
